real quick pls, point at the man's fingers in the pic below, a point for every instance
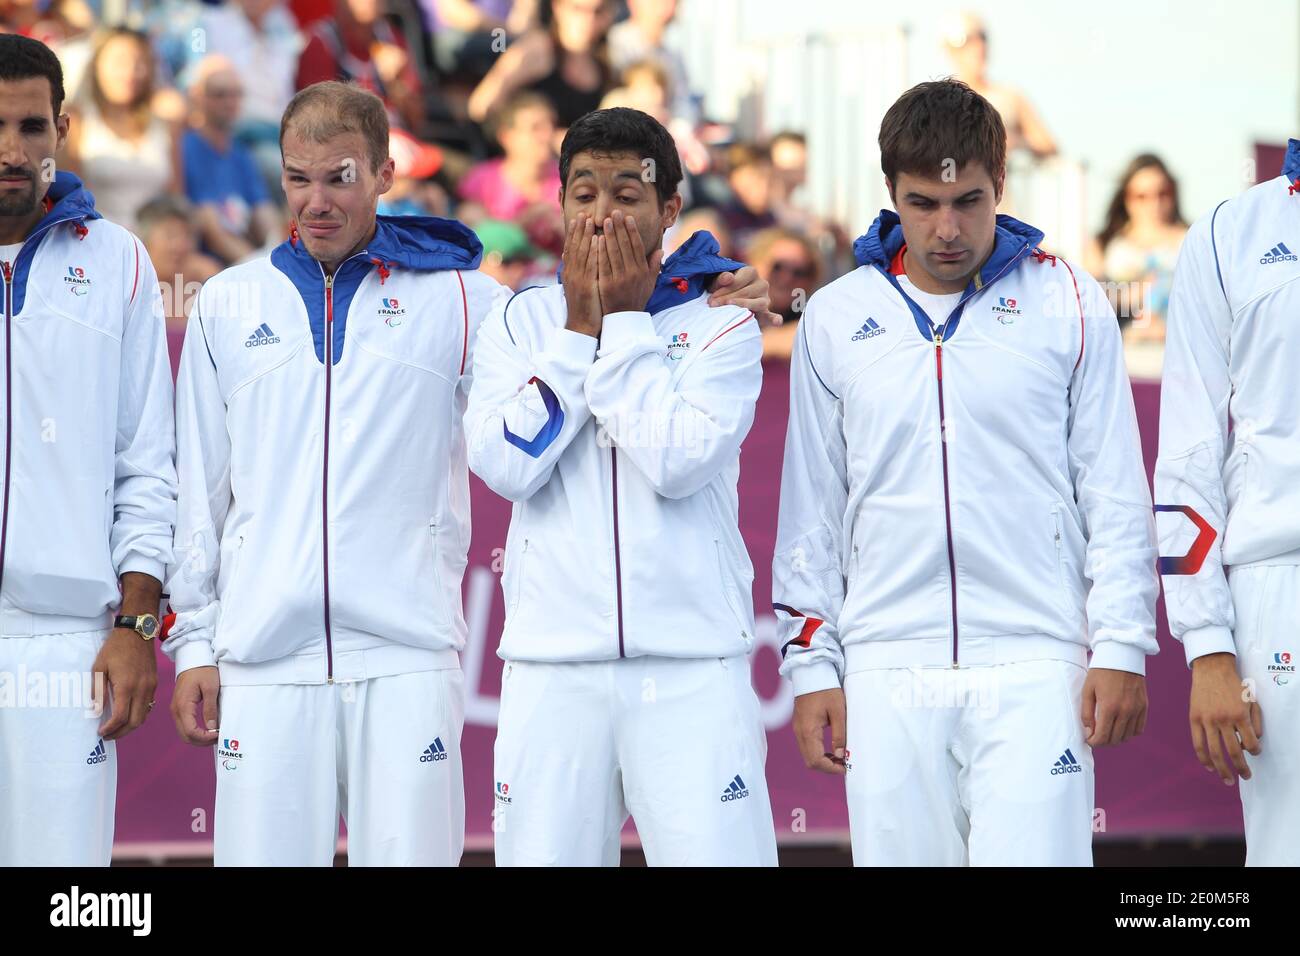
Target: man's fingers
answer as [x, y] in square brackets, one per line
[586, 249]
[1235, 753]
[1257, 723]
[211, 715]
[1088, 710]
[570, 239]
[1215, 743]
[1200, 746]
[121, 698]
[633, 250]
[1103, 732]
[616, 245]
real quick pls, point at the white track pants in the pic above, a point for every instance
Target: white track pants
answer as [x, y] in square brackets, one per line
[982, 766]
[384, 752]
[677, 743]
[1267, 601]
[58, 778]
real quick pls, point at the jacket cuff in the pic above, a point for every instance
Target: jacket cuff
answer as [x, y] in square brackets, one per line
[623, 329]
[1112, 655]
[192, 654]
[572, 345]
[145, 565]
[1212, 639]
[810, 678]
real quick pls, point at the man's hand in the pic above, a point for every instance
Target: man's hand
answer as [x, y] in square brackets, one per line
[131, 675]
[198, 685]
[745, 289]
[1114, 706]
[813, 713]
[627, 276]
[581, 294]
[1224, 719]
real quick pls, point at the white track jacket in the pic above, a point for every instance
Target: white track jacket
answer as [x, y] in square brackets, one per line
[89, 482]
[1229, 409]
[622, 462]
[973, 494]
[324, 496]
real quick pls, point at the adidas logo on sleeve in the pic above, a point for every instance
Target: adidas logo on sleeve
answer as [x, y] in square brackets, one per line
[435, 751]
[1066, 764]
[1279, 253]
[870, 329]
[262, 335]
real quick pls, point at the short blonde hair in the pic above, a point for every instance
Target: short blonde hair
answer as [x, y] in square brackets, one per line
[330, 108]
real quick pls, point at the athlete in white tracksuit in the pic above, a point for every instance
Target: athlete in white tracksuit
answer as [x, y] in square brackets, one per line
[628, 612]
[964, 516]
[323, 530]
[1229, 460]
[324, 514]
[88, 497]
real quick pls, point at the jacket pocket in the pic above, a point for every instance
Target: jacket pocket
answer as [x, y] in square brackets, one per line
[512, 578]
[229, 586]
[441, 610]
[728, 592]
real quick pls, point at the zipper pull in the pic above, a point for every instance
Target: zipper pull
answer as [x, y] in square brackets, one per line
[9, 271]
[938, 351]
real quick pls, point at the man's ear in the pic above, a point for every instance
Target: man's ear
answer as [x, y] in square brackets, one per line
[671, 210]
[387, 175]
[61, 125]
[999, 186]
[889, 187]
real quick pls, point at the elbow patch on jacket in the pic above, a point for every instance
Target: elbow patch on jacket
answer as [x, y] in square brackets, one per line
[804, 637]
[1189, 563]
[550, 429]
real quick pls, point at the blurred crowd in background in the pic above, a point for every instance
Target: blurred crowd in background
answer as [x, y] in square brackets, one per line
[176, 107]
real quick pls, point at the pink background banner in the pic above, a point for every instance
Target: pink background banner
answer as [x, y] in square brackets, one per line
[1152, 786]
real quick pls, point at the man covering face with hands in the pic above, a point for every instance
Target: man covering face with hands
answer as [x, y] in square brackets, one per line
[610, 410]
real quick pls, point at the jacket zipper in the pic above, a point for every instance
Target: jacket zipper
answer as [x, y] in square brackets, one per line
[618, 570]
[325, 475]
[9, 410]
[947, 504]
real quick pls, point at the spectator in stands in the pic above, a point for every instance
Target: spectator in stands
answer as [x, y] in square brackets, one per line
[124, 152]
[359, 46]
[233, 211]
[967, 42]
[644, 87]
[792, 267]
[508, 256]
[65, 26]
[468, 35]
[261, 39]
[750, 207]
[565, 59]
[528, 174]
[703, 217]
[1134, 255]
[641, 39]
[166, 227]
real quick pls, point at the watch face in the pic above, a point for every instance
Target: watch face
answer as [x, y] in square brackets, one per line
[148, 626]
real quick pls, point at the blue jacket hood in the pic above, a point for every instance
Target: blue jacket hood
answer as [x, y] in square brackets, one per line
[70, 199]
[418, 243]
[686, 273]
[1012, 241]
[1291, 164]
[421, 243]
